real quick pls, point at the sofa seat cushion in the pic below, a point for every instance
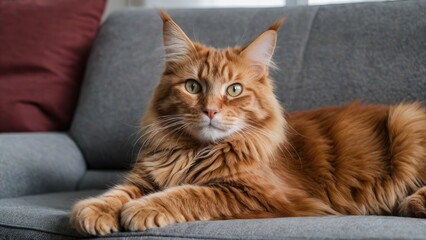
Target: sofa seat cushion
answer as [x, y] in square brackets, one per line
[47, 217]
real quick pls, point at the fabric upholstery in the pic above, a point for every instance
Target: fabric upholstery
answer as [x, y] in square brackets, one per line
[46, 213]
[33, 163]
[326, 55]
[374, 52]
[47, 216]
[100, 179]
[44, 47]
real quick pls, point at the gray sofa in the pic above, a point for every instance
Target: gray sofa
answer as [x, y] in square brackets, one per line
[326, 55]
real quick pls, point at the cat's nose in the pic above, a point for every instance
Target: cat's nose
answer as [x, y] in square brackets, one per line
[210, 113]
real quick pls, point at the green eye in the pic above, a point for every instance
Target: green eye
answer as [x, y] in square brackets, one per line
[192, 86]
[234, 90]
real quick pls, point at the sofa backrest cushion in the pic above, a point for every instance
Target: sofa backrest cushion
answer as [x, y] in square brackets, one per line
[44, 45]
[326, 55]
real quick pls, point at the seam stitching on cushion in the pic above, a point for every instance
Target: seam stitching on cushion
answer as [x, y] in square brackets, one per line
[77, 184]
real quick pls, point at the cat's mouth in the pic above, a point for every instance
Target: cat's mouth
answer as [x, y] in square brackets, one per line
[211, 130]
[216, 127]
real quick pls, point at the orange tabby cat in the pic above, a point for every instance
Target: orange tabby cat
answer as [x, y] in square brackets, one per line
[217, 145]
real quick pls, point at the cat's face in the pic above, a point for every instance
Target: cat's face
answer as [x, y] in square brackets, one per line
[210, 93]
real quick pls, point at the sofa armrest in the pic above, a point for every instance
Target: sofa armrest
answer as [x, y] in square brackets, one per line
[33, 163]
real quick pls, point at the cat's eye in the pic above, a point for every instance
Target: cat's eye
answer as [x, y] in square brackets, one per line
[192, 86]
[234, 90]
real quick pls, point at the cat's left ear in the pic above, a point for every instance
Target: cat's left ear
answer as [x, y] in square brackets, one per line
[259, 52]
[176, 44]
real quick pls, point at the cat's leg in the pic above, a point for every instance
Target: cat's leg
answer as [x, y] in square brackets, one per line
[100, 215]
[414, 205]
[191, 203]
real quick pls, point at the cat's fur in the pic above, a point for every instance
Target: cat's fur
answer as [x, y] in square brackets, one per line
[252, 160]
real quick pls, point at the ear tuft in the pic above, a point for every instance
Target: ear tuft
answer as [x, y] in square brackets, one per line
[277, 24]
[164, 15]
[176, 44]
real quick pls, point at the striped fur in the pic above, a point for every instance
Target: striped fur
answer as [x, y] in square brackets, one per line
[356, 159]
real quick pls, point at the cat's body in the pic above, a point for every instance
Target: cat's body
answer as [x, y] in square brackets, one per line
[217, 145]
[358, 159]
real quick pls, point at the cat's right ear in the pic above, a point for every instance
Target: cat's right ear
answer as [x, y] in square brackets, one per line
[259, 52]
[176, 44]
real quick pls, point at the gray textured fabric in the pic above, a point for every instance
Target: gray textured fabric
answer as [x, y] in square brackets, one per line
[125, 65]
[45, 213]
[12, 233]
[94, 179]
[32, 163]
[375, 52]
[47, 216]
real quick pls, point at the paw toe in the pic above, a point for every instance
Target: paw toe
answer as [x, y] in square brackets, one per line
[89, 219]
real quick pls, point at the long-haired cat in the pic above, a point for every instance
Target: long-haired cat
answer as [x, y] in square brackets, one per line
[217, 145]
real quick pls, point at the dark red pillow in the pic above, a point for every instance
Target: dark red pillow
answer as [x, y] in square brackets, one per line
[44, 45]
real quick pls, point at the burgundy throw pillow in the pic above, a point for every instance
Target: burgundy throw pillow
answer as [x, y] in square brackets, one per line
[44, 45]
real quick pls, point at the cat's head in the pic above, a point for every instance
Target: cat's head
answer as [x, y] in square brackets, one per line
[212, 94]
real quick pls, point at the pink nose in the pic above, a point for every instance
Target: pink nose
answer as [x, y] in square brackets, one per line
[211, 113]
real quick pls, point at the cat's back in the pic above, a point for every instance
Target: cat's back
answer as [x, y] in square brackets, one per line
[352, 157]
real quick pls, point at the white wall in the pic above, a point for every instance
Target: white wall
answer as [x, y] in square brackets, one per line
[114, 5]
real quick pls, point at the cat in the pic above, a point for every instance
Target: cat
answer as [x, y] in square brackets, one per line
[218, 145]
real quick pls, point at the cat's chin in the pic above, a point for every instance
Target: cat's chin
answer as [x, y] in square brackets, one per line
[215, 130]
[213, 134]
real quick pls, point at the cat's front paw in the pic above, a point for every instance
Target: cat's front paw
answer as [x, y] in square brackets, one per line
[139, 215]
[94, 217]
[415, 205]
